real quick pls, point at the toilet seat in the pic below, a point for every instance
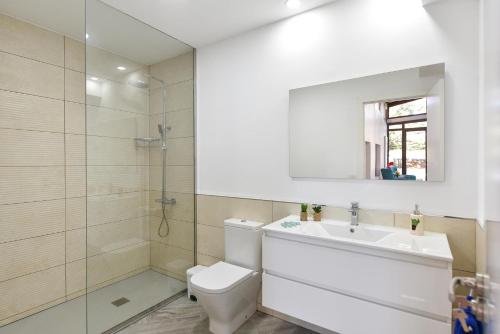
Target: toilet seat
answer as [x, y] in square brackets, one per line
[219, 278]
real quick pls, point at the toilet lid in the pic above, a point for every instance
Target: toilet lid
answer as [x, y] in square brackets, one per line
[220, 277]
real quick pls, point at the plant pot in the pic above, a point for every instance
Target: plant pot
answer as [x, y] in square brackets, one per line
[303, 216]
[317, 217]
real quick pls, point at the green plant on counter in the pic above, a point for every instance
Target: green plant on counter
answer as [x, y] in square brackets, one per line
[415, 222]
[316, 208]
[303, 207]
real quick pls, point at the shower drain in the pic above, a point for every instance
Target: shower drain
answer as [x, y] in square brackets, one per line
[120, 301]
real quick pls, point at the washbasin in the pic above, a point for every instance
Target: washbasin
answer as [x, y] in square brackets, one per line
[345, 231]
[388, 239]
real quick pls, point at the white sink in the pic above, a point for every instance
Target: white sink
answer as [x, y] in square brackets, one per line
[347, 232]
[383, 238]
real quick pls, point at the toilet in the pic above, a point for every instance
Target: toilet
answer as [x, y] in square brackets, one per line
[228, 290]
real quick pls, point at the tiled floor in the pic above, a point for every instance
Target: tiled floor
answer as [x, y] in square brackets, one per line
[144, 291]
[185, 317]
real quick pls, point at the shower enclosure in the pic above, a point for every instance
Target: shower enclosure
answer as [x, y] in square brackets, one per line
[97, 206]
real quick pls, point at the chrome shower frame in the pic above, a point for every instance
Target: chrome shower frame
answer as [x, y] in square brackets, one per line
[162, 129]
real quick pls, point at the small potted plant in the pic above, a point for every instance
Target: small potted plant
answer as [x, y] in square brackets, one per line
[317, 212]
[303, 212]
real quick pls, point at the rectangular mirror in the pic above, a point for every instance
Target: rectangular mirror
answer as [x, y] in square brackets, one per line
[388, 126]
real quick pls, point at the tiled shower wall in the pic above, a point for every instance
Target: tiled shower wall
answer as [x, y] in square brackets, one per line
[42, 169]
[53, 196]
[173, 254]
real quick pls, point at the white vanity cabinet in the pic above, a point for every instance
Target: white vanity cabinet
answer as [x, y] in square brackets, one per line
[396, 284]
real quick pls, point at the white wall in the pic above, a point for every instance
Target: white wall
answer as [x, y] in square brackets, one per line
[489, 158]
[375, 134]
[242, 102]
[435, 136]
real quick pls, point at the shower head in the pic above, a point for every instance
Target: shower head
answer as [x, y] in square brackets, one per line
[138, 83]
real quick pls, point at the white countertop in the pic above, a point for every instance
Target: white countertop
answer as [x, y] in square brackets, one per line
[398, 240]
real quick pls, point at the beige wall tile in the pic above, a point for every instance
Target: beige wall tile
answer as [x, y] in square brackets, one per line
[31, 148]
[30, 255]
[74, 86]
[116, 95]
[76, 245]
[181, 234]
[180, 68]
[27, 292]
[180, 96]
[107, 266]
[210, 240]
[107, 238]
[75, 181]
[102, 64]
[76, 213]
[104, 180]
[481, 249]
[180, 152]
[181, 124]
[461, 237]
[376, 217]
[74, 54]
[213, 210]
[115, 152]
[26, 184]
[179, 179]
[111, 208]
[28, 112]
[76, 276]
[206, 260]
[117, 123]
[30, 41]
[75, 150]
[28, 220]
[30, 76]
[182, 210]
[171, 259]
[284, 209]
[74, 117]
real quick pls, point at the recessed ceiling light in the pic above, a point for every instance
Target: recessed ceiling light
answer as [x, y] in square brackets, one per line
[292, 4]
[94, 78]
[86, 36]
[121, 68]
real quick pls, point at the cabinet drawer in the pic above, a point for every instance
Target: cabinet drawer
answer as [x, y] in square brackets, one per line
[407, 286]
[340, 313]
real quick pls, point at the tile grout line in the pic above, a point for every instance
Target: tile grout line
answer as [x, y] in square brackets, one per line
[65, 177]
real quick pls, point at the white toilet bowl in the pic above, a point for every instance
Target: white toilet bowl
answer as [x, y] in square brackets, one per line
[228, 293]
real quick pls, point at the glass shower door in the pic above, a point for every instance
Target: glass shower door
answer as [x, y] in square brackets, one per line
[140, 170]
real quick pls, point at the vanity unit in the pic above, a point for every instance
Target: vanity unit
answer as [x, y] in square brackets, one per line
[357, 279]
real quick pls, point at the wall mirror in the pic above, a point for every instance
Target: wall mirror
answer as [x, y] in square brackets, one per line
[388, 126]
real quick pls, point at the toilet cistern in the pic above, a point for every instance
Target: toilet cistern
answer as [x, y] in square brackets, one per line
[354, 210]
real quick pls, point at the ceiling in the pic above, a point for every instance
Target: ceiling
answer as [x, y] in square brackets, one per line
[202, 22]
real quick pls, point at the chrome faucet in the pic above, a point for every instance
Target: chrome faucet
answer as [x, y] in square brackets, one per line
[354, 210]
